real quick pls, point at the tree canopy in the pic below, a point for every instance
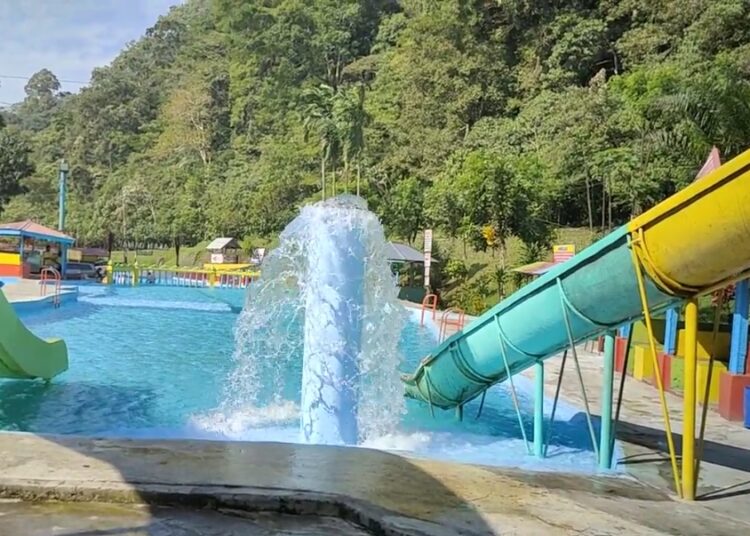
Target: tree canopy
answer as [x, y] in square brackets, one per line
[477, 117]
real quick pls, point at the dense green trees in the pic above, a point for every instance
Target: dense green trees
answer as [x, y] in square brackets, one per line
[14, 164]
[476, 117]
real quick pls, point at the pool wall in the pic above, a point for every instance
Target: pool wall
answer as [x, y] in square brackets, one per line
[68, 295]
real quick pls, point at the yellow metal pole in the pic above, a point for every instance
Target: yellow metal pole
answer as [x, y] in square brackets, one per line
[707, 391]
[688, 411]
[657, 370]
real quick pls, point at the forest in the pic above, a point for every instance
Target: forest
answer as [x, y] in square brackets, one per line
[487, 120]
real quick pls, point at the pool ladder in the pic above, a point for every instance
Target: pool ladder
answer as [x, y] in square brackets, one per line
[48, 273]
[454, 317]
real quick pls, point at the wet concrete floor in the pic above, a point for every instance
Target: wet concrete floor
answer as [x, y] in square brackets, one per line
[28, 290]
[98, 519]
[387, 493]
[724, 478]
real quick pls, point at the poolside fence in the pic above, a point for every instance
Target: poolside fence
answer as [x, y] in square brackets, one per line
[129, 275]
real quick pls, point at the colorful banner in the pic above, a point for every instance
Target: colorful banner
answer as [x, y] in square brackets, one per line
[563, 252]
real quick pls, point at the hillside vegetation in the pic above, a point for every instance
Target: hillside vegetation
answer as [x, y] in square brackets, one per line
[493, 122]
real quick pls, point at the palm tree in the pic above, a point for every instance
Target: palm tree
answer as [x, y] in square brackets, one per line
[350, 118]
[319, 121]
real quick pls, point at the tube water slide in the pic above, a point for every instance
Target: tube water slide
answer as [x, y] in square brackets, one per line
[694, 242]
[23, 355]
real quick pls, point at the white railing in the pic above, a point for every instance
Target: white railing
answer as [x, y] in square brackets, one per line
[179, 277]
[47, 273]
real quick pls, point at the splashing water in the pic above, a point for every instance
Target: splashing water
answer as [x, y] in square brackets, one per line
[327, 296]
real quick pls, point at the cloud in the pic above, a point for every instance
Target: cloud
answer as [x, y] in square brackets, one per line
[68, 37]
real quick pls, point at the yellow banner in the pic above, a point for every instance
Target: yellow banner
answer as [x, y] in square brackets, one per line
[564, 248]
[13, 259]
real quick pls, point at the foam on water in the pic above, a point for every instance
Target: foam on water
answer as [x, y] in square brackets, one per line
[271, 331]
[239, 424]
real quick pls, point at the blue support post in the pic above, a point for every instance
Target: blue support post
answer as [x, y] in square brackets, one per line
[738, 348]
[625, 330]
[539, 409]
[606, 432]
[670, 331]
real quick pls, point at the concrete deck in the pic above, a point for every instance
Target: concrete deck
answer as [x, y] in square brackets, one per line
[99, 519]
[724, 483]
[385, 493]
[27, 290]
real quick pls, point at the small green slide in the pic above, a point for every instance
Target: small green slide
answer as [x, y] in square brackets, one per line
[23, 355]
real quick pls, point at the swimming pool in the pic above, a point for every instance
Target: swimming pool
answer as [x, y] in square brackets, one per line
[154, 361]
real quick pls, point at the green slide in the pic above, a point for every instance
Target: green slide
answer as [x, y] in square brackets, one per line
[694, 242]
[23, 355]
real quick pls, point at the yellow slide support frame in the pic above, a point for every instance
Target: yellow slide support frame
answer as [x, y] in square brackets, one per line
[693, 243]
[637, 265]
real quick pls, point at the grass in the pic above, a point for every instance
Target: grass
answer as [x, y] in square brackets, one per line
[190, 257]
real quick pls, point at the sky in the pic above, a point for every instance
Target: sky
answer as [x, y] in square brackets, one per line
[68, 37]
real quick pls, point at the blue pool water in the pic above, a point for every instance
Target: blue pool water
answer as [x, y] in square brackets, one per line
[154, 362]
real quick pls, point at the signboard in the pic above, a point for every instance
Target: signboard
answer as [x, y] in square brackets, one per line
[563, 252]
[427, 256]
[217, 258]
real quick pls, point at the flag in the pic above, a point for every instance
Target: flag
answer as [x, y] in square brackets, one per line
[712, 162]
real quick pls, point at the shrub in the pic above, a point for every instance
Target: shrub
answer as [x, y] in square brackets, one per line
[455, 270]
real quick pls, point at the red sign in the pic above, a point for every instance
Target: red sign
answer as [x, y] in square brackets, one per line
[563, 252]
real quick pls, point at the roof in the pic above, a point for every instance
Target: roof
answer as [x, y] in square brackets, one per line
[560, 254]
[403, 253]
[222, 243]
[536, 268]
[31, 229]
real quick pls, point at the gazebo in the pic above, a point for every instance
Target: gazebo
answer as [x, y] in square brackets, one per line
[224, 251]
[22, 245]
[401, 253]
[401, 256]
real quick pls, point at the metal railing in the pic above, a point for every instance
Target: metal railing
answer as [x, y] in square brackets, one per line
[429, 302]
[454, 317]
[47, 273]
[125, 275]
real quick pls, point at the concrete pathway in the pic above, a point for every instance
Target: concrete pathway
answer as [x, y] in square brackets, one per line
[386, 493]
[99, 519]
[27, 290]
[724, 484]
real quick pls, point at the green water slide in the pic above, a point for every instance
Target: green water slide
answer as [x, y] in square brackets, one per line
[23, 355]
[593, 292]
[694, 242]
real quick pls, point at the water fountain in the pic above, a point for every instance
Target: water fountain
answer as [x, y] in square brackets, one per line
[326, 298]
[334, 300]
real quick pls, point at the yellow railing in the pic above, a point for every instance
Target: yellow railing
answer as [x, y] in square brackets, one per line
[134, 275]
